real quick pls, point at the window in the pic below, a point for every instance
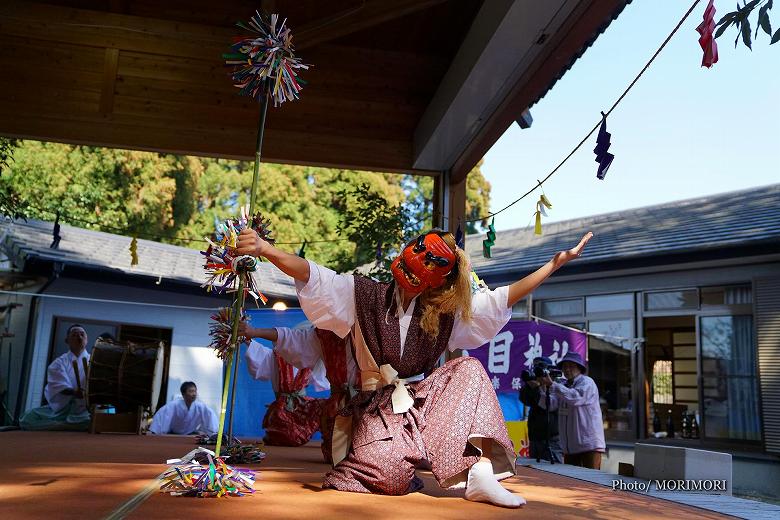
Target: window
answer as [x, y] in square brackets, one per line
[610, 368]
[662, 382]
[613, 329]
[610, 303]
[734, 295]
[556, 308]
[729, 383]
[520, 309]
[672, 300]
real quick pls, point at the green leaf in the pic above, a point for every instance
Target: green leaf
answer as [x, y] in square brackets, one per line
[763, 20]
[776, 37]
[722, 29]
[727, 18]
[746, 34]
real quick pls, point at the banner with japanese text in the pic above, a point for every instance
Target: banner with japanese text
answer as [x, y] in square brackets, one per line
[519, 342]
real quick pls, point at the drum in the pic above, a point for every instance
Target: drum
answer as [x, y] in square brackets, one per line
[125, 375]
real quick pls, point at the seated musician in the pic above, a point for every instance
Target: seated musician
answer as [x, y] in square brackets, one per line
[65, 383]
[185, 416]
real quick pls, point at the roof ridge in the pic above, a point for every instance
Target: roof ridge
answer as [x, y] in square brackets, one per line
[653, 207]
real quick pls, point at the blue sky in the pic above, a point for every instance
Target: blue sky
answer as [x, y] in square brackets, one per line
[683, 131]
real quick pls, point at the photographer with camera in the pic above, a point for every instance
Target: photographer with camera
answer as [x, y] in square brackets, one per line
[542, 424]
[579, 413]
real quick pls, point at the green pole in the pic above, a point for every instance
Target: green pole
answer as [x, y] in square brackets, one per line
[239, 303]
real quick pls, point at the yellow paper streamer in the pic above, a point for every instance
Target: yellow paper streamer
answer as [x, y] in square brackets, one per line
[134, 251]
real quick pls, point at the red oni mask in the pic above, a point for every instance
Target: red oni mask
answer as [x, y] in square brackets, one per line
[423, 264]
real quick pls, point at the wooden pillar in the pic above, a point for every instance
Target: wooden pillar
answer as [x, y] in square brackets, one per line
[456, 210]
[455, 196]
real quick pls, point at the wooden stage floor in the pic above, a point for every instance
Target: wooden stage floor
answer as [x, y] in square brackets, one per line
[66, 475]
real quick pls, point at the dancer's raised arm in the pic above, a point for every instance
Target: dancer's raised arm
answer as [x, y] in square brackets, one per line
[525, 286]
[249, 243]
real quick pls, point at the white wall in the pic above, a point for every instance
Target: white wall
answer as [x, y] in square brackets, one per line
[191, 358]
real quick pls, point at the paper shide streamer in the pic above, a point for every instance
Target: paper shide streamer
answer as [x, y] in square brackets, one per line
[224, 266]
[221, 332]
[265, 62]
[543, 203]
[603, 157]
[490, 241]
[706, 39]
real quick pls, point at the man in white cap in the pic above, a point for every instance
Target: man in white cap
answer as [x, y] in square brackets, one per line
[579, 413]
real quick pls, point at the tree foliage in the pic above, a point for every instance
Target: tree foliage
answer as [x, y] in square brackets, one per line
[740, 19]
[177, 199]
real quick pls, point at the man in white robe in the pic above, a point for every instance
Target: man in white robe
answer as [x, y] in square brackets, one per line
[185, 416]
[64, 392]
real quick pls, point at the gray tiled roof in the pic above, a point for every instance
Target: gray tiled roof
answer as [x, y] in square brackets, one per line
[105, 251]
[725, 220]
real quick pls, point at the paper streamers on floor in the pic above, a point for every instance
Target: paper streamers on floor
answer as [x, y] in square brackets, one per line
[266, 63]
[236, 451]
[221, 332]
[223, 266]
[215, 479]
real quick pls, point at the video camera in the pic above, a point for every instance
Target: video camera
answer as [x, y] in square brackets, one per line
[540, 369]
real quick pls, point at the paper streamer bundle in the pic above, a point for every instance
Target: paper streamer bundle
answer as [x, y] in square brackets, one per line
[603, 157]
[224, 266]
[215, 479]
[706, 39]
[265, 63]
[205, 439]
[221, 332]
[250, 453]
[236, 451]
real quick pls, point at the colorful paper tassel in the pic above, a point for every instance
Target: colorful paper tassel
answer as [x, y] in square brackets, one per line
[543, 203]
[706, 39]
[265, 63]
[224, 267]
[221, 332]
[603, 157]
[490, 241]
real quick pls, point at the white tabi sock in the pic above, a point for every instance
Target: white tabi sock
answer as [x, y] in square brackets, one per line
[482, 486]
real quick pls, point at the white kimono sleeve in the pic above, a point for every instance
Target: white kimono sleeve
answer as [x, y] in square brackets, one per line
[260, 362]
[328, 299]
[209, 422]
[489, 313]
[59, 377]
[302, 349]
[161, 423]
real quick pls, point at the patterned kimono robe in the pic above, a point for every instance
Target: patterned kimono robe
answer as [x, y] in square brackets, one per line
[408, 410]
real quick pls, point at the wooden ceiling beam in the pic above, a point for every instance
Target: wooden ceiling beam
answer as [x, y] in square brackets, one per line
[369, 13]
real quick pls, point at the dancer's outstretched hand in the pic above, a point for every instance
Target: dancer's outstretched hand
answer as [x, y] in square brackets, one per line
[562, 257]
[250, 243]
